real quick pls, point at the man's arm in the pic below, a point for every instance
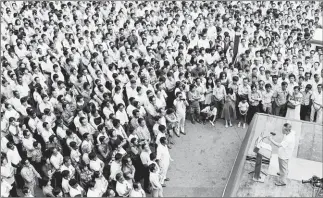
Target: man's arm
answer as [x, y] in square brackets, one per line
[25, 176]
[274, 142]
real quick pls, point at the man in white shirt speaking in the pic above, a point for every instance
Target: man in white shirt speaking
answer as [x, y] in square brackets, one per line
[285, 152]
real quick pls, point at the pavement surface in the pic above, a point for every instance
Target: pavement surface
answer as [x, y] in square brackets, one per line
[203, 160]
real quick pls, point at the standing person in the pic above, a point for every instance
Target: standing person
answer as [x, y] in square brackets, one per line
[75, 189]
[29, 174]
[254, 99]
[193, 98]
[170, 89]
[7, 174]
[163, 158]
[5, 188]
[137, 191]
[306, 102]
[200, 87]
[317, 105]
[243, 110]
[122, 187]
[229, 111]
[157, 189]
[267, 99]
[295, 99]
[180, 105]
[209, 91]
[285, 152]
[145, 160]
[172, 122]
[219, 94]
[280, 97]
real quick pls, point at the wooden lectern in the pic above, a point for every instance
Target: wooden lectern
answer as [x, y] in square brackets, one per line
[262, 150]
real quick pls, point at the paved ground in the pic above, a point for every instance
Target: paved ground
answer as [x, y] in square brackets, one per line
[203, 160]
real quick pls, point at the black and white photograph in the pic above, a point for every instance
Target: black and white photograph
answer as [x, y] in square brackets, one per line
[161, 98]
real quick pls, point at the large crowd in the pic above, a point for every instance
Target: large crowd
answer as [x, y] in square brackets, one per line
[94, 94]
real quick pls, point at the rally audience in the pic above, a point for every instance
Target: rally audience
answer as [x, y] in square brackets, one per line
[94, 92]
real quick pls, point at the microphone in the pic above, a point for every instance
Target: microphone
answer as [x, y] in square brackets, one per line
[272, 133]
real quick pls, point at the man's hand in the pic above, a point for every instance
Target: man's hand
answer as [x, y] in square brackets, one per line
[271, 138]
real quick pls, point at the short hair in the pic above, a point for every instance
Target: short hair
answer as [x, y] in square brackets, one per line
[161, 128]
[118, 156]
[288, 126]
[118, 176]
[72, 182]
[56, 191]
[152, 156]
[162, 140]
[65, 173]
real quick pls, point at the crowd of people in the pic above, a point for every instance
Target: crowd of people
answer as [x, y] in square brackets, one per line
[94, 94]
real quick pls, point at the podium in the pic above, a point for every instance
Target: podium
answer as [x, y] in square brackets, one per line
[262, 149]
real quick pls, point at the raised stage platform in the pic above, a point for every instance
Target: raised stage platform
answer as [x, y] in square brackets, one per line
[306, 161]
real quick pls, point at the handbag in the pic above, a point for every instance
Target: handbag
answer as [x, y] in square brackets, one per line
[290, 105]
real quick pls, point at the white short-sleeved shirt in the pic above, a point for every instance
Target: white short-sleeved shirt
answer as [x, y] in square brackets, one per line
[287, 146]
[77, 191]
[243, 106]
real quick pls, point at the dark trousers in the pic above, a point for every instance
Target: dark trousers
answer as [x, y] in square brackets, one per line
[146, 177]
[251, 112]
[219, 105]
[280, 110]
[305, 110]
[13, 191]
[170, 99]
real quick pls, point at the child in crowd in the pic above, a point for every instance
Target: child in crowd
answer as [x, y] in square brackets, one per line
[243, 109]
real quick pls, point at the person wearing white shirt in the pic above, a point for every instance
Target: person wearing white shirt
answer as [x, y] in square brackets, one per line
[161, 133]
[317, 105]
[115, 167]
[118, 96]
[157, 189]
[122, 115]
[93, 191]
[56, 159]
[7, 174]
[130, 107]
[95, 163]
[137, 191]
[145, 160]
[46, 132]
[122, 187]
[67, 165]
[75, 189]
[163, 158]
[27, 142]
[13, 155]
[180, 104]
[285, 152]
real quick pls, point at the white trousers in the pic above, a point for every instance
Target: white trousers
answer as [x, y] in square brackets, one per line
[163, 171]
[318, 115]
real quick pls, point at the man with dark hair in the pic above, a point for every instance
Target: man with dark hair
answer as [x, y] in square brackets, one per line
[163, 158]
[29, 175]
[306, 102]
[280, 97]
